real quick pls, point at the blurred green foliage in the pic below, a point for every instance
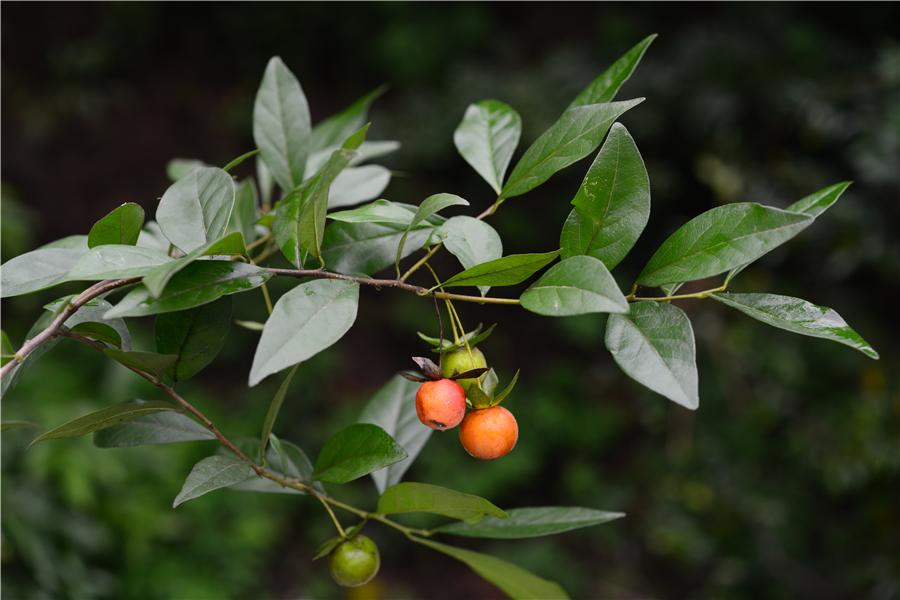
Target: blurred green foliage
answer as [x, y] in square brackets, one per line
[784, 484]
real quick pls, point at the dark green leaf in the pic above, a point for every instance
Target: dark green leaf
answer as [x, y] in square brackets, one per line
[281, 125]
[275, 408]
[422, 497]
[305, 321]
[157, 428]
[194, 336]
[93, 313]
[798, 316]
[38, 269]
[356, 451]
[7, 352]
[121, 226]
[393, 408]
[195, 209]
[213, 473]
[115, 261]
[336, 128]
[654, 345]
[198, 283]
[106, 417]
[612, 205]
[157, 365]
[509, 270]
[607, 85]
[719, 240]
[532, 522]
[100, 332]
[576, 286]
[576, 134]
[327, 546]
[487, 137]
[157, 279]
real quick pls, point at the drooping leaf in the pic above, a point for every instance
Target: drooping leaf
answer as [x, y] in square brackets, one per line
[282, 457]
[37, 270]
[576, 286]
[154, 363]
[509, 270]
[198, 283]
[515, 581]
[213, 473]
[487, 137]
[121, 226]
[380, 211]
[355, 451]
[472, 241]
[605, 87]
[116, 261]
[798, 316]
[194, 336]
[720, 239]
[612, 205]
[195, 210]
[654, 345]
[281, 125]
[369, 247]
[157, 428]
[422, 497]
[157, 279]
[532, 522]
[275, 408]
[576, 134]
[243, 217]
[305, 321]
[106, 417]
[393, 408]
[335, 129]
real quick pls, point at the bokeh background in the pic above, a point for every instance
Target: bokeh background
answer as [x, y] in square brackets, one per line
[784, 484]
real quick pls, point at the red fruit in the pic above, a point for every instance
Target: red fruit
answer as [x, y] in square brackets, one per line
[441, 404]
[489, 433]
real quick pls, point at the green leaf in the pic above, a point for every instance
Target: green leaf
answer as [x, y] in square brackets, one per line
[437, 500]
[100, 332]
[234, 163]
[194, 336]
[213, 473]
[306, 320]
[509, 270]
[106, 417]
[430, 206]
[501, 396]
[93, 313]
[612, 205]
[486, 138]
[366, 151]
[250, 325]
[115, 261]
[9, 381]
[654, 345]
[179, 167]
[515, 581]
[151, 236]
[157, 428]
[358, 184]
[393, 408]
[243, 218]
[719, 240]
[336, 128]
[264, 177]
[327, 546]
[532, 522]
[473, 338]
[10, 425]
[198, 283]
[605, 87]
[37, 270]
[283, 457]
[380, 211]
[576, 286]
[472, 241]
[158, 278]
[121, 226]
[355, 451]
[798, 316]
[281, 125]
[196, 209]
[368, 247]
[275, 408]
[7, 352]
[576, 134]
[156, 364]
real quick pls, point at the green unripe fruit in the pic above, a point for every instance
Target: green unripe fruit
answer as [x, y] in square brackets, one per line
[461, 361]
[354, 562]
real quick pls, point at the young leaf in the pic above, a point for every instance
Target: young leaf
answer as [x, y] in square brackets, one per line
[198, 283]
[157, 279]
[115, 261]
[355, 451]
[195, 209]
[472, 241]
[275, 408]
[654, 345]
[243, 217]
[798, 316]
[213, 473]
[38, 270]
[532, 522]
[369, 247]
[576, 134]
[157, 428]
[487, 137]
[335, 129]
[720, 239]
[576, 286]
[281, 125]
[509, 270]
[106, 417]
[437, 500]
[194, 336]
[393, 408]
[121, 226]
[612, 205]
[430, 206]
[515, 581]
[358, 184]
[605, 87]
[305, 321]
[157, 365]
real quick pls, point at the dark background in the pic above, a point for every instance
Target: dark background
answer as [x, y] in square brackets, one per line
[784, 484]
